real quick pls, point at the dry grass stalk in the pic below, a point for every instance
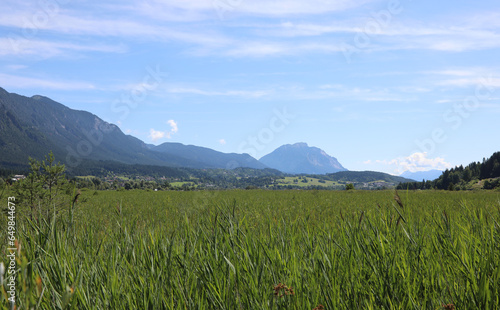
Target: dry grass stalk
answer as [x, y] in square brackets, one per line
[398, 199]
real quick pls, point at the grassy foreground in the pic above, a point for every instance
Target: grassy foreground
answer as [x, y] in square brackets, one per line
[262, 250]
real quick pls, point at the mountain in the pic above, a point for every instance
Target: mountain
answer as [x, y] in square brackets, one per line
[422, 175]
[15, 139]
[209, 157]
[34, 126]
[300, 158]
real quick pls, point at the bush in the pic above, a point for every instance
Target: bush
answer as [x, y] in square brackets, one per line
[491, 184]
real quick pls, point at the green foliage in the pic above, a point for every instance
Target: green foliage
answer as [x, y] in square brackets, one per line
[44, 189]
[349, 186]
[244, 249]
[491, 184]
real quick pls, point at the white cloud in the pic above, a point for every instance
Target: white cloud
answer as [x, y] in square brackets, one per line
[416, 162]
[173, 126]
[222, 141]
[156, 135]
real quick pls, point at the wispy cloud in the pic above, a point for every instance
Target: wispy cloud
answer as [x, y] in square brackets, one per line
[28, 38]
[268, 48]
[268, 39]
[304, 92]
[262, 7]
[17, 45]
[16, 67]
[14, 81]
[465, 77]
[486, 81]
[400, 34]
[231, 93]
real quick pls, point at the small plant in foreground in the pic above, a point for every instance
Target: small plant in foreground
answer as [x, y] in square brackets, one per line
[281, 290]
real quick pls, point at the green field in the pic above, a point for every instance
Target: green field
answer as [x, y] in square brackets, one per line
[259, 249]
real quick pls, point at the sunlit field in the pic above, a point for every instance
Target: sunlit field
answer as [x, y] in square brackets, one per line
[261, 250]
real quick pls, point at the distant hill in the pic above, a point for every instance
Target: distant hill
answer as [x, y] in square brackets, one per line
[299, 158]
[33, 126]
[422, 175]
[365, 177]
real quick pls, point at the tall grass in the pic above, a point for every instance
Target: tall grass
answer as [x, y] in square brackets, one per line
[264, 250]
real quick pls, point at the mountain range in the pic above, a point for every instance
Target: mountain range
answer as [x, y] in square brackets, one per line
[422, 175]
[34, 126]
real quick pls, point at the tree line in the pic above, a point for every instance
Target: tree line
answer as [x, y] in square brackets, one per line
[485, 173]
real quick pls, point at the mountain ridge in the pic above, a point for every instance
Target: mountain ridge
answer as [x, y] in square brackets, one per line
[33, 126]
[209, 156]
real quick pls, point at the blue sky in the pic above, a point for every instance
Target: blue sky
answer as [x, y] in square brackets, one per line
[389, 85]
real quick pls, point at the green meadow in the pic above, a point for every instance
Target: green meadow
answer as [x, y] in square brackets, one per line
[258, 249]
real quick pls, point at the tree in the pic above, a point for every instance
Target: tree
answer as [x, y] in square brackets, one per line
[349, 186]
[53, 176]
[495, 171]
[467, 175]
[128, 186]
[97, 182]
[42, 187]
[30, 190]
[486, 184]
